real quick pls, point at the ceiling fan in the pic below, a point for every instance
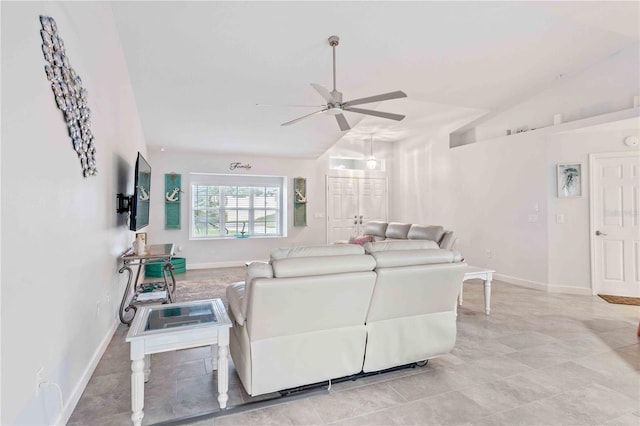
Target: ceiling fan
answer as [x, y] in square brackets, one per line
[336, 107]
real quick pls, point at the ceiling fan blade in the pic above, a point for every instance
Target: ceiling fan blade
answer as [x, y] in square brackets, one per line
[290, 105]
[377, 98]
[302, 118]
[381, 114]
[324, 93]
[342, 122]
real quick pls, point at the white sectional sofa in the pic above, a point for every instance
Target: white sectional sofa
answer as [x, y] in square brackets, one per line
[317, 313]
[382, 231]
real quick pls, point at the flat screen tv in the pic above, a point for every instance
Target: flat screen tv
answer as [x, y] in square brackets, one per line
[141, 194]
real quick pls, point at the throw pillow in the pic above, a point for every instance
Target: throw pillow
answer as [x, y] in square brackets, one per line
[360, 240]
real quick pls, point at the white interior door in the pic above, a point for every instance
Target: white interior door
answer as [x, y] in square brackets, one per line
[372, 199]
[342, 208]
[351, 203]
[615, 215]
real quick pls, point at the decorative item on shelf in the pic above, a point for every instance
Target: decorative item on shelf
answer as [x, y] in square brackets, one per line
[172, 199]
[153, 269]
[143, 236]
[70, 95]
[300, 202]
[236, 165]
[243, 233]
[557, 119]
[139, 245]
[371, 160]
[569, 180]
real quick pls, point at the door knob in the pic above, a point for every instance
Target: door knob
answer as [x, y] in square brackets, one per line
[600, 233]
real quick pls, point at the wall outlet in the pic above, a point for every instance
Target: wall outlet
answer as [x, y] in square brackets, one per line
[488, 252]
[39, 379]
[532, 218]
[560, 219]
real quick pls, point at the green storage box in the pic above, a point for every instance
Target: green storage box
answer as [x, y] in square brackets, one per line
[154, 268]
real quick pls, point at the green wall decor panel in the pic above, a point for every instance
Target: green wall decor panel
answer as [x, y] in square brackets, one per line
[299, 201]
[172, 197]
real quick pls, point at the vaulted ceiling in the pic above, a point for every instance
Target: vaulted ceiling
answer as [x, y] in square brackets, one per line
[198, 69]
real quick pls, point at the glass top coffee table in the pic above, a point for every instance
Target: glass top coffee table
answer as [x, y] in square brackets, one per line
[162, 328]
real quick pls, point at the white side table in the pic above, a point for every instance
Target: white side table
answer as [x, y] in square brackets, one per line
[162, 328]
[484, 274]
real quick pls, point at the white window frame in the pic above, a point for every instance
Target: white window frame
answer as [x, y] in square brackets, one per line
[254, 181]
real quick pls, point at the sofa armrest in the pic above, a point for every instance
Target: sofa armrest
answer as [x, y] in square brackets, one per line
[235, 297]
[448, 240]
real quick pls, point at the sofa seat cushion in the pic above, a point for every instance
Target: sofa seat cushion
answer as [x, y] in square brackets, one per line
[421, 232]
[387, 245]
[322, 265]
[322, 250]
[397, 258]
[235, 298]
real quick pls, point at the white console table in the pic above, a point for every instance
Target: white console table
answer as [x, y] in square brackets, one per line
[484, 274]
[162, 328]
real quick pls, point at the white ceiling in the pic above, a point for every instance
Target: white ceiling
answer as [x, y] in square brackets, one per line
[198, 69]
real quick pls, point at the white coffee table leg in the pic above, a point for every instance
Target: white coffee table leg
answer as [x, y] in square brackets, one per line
[223, 367]
[137, 390]
[487, 294]
[147, 367]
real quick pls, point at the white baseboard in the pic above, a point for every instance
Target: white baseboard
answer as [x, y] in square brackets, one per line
[74, 398]
[211, 265]
[565, 289]
[229, 264]
[549, 288]
[520, 282]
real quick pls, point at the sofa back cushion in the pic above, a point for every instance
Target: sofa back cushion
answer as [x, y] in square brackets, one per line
[387, 245]
[322, 265]
[376, 230]
[397, 258]
[397, 231]
[314, 251]
[415, 290]
[421, 232]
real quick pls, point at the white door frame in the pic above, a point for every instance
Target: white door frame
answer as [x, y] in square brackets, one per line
[592, 213]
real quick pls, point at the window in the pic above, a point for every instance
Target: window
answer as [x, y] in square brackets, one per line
[229, 205]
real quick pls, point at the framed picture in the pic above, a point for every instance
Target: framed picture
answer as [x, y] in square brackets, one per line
[569, 180]
[142, 235]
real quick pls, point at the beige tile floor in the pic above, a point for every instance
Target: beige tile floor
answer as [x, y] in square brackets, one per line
[539, 359]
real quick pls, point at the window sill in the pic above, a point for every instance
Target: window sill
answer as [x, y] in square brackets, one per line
[251, 237]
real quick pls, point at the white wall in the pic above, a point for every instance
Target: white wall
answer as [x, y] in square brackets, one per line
[601, 87]
[61, 236]
[569, 250]
[500, 194]
[232, 251]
